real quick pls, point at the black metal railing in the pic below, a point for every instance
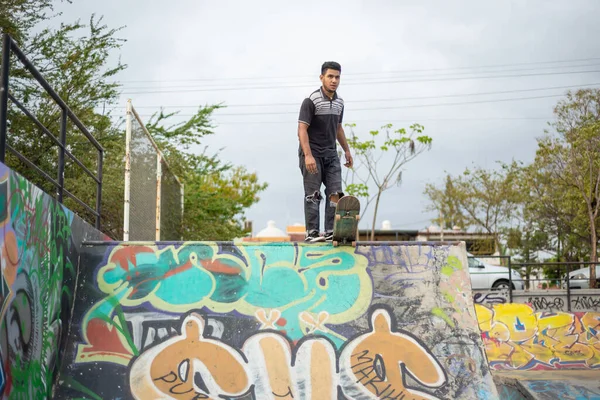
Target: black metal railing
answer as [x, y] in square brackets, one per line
[10, 47]
[563, 279]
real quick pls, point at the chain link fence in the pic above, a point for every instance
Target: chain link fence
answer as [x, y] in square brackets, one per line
[153, 194]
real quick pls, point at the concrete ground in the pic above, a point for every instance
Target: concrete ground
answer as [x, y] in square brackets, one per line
[548, 385]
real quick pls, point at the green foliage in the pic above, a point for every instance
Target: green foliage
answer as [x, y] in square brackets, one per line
[553, 273]
[358, 190]
[571, 158]
[526, 244]
[76, 59]
[216, 194]
[550, 205]
[379, 161]
[446, 202]
[17, 17]
[478, 198]
[551, 209]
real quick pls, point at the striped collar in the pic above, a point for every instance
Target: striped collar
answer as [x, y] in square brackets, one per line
[335, 96]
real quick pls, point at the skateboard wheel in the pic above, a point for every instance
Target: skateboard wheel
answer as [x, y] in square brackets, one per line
[357, 217]
[338, 217]
[335, 243]
[353, 244]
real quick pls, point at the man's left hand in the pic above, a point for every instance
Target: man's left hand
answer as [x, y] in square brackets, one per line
[349, 161]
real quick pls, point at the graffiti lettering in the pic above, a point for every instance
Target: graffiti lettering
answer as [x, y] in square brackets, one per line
[510, 393]
[544, 303]
[461, 365]
[148, 328]
[585, 303]
[489, 298]
[284, 321]
[516, 336]
[35, 254]
[231, 279]
[288, 321]
[561, 390]
[371, 366]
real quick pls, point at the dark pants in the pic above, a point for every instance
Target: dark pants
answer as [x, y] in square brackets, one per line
[330, 174]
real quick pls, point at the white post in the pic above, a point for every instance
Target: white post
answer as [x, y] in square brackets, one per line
[128, 128]
[182, 205]
[158, 185]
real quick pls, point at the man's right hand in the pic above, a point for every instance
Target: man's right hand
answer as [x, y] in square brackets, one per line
[311, 164]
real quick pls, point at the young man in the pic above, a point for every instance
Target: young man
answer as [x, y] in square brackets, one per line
[319, 126]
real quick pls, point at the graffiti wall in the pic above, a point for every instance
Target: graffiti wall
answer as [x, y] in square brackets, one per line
[580, 300]
[274, 321]
[518, 337]
[38, 255]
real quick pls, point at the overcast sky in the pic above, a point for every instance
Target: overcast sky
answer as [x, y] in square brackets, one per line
[261, 58]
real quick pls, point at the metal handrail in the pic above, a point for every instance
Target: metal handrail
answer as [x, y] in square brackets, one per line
[51, 136]
[10, 47]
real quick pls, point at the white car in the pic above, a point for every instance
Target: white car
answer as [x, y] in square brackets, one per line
[580, 278]
[487, 276]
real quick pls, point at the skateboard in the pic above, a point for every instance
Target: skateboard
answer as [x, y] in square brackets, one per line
[345, 226]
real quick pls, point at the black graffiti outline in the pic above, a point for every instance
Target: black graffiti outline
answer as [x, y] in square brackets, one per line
[586, 302]
[489, 298]
[296, 347]
[542, 303]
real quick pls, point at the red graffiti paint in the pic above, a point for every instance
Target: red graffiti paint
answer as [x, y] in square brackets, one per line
[104, 340]
[218, 267]
[177, 270]
[126, 255]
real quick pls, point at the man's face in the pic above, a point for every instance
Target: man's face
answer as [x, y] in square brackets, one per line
[330, 80]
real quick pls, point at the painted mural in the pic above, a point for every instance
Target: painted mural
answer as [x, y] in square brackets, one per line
[189, 365]
[274, 321]
[38, 260]
[517, 337]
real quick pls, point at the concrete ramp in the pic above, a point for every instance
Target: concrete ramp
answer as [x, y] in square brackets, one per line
[274, 321]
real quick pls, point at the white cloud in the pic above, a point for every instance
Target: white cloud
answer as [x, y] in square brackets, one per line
[226, 40]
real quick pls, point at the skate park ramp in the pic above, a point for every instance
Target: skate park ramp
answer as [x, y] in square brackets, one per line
[274, 321]
[87, 318]
[542, 354]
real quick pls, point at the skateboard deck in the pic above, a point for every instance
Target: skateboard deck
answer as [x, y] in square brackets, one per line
[345, 226]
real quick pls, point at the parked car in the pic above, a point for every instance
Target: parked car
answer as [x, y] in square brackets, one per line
[487, 276]
[580, 278]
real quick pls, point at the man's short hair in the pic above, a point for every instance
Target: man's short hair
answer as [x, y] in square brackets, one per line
[330, 65]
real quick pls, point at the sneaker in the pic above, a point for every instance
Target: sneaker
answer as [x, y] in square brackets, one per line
[314, 237]
[329, 236]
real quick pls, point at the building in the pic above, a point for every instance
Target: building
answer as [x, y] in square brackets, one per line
[269, 234]
[476, 243]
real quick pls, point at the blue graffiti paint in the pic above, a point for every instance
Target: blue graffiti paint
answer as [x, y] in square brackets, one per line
[2, 376]
[293, 279]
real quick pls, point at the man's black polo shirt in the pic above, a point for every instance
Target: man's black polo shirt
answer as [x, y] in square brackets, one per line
[322, 116]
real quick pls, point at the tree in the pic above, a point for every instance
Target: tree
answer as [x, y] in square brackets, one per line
[526, 242]
[75, 60]
[446, 203]
[572, 157]
[216, 194]
[369, 177]
[479, 198]
[550, 208]
[17, 17]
